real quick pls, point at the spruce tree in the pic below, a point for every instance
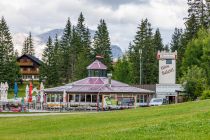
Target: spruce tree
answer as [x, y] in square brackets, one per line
[49, 67]
[199, 9]
[144, 41]
[28, 47]
[192, 27]
[75, 43]
[158, 44]
[158, 41]
[102, 45]
[66, 66]
[25, 49]
[80, 28]
[82, 45]
[176, 45]
[9, 70]
[122, 70]
[57, 59]
[166, 48]
[176, 40]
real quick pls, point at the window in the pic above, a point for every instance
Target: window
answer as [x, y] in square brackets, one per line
[96, 73]
[168, 61]
[61, 98]
[100, 98]
[138, 99]
[82, 97]
[88, 98]
[48, 97]
[36, 77]
[94, 98]
[145, 98]
[70, 98]
[52, 98]
[141, 98]
[103, 73]
[29, 76]
[57, 97]
[77, 98]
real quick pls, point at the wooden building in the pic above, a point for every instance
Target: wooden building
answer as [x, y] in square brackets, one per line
[29, 67]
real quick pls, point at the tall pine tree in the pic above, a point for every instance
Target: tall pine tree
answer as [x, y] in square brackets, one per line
[144, 41]
[158, 40]
[49, 69]
[9, 70]
[66, 66]
[176, 45]
[28, 46]
[83, 48]
[102, 45]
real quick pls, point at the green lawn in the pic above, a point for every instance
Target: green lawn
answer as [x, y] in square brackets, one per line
[181, 121]
[21, 89]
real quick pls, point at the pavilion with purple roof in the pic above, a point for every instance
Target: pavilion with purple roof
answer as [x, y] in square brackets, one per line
[98, 90]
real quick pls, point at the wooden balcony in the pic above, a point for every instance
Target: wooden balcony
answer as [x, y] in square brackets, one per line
[29, 72]
[25, 63]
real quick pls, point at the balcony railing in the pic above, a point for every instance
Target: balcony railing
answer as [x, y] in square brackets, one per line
[29, 72]
[25, 63]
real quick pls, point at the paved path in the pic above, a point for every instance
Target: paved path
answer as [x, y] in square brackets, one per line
[42, 114]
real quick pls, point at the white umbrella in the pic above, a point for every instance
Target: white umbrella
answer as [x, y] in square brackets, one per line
[1, 86]
[6, 90]
[64, 96]
[6, 86]
[27, 92]
[42, 92]
[1, 90]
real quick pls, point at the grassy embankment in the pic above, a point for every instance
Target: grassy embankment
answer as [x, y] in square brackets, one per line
[181, 121]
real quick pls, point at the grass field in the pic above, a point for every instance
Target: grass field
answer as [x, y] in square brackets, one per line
[181, 121]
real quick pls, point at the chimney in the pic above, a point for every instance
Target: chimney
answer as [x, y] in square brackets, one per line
[109, 75]
[99, 57]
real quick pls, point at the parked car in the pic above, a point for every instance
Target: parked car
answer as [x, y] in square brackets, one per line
[157, 101]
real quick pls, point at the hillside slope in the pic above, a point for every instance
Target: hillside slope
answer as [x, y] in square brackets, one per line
[181, 121]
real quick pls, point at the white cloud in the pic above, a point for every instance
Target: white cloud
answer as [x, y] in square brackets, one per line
[122, 17]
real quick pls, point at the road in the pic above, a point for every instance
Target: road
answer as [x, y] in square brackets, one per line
[40, 114]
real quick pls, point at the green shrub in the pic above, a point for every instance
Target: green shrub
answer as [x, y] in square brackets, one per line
[205, 94]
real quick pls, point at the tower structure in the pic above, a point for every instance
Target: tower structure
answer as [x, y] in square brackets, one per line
[167, 87]
[167, 67]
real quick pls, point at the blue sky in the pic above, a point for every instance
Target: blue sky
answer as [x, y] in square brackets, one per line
[121, 16]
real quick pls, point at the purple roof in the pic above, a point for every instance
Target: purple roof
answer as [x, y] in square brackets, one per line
[97, 65]
[97, 84]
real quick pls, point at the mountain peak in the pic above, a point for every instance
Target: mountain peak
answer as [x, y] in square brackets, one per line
[41, 40]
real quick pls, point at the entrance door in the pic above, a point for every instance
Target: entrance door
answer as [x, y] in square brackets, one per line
[171, 99]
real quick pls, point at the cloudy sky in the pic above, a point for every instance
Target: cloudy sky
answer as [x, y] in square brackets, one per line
[121, 16]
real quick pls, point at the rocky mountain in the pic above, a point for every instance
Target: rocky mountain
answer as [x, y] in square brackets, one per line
[59, 32]
[116, 52]
[41, 39]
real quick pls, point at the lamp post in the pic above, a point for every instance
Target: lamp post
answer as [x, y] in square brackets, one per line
[140, 65]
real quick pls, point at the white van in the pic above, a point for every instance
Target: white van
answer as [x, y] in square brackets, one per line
[157, 102]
